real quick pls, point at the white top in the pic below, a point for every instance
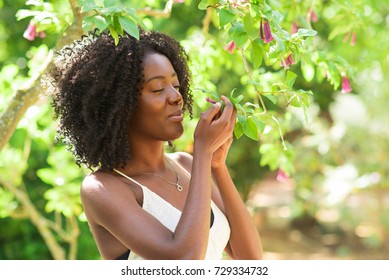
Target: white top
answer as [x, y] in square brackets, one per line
[169, 216]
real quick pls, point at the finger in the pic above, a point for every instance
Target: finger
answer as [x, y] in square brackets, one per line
[230, 106]
[233, 116]
[228, 109]
[211, 113]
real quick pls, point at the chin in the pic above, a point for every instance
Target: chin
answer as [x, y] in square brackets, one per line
[177, 135]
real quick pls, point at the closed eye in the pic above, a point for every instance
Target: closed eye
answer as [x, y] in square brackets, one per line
[158, 90]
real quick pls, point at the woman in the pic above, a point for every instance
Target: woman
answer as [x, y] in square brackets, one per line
[118, 106]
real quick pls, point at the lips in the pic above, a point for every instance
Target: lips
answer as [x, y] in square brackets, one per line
[176, 116]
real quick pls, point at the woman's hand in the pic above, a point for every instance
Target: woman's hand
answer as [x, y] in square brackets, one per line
[220, 155]
[213, 133]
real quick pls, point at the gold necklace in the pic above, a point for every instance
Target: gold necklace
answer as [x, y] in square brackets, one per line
[178, 186]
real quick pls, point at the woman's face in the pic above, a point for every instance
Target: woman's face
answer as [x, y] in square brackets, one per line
[158, 114]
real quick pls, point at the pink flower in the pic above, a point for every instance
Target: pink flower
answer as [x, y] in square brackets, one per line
[353, 39]
[288, 61]
[237, 3]
[346, 85]
[265, 32]
[31, 33]
[179, 1]
[312, 16]
[345, 39]
[282, 176]
[230, 47]
[261, 35]
[294, 28]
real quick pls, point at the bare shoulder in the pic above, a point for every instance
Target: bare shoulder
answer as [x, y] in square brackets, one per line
[99, 189]
[94, 184]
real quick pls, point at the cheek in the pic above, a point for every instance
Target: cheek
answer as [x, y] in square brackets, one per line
[151, 106]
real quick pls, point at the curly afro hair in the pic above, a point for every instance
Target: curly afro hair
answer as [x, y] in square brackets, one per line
[96, 84]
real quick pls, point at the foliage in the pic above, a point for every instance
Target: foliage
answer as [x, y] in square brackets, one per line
[284, 64]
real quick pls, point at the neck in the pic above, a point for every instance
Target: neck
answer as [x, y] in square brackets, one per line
[147, 157]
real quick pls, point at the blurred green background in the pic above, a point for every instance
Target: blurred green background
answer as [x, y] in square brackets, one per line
[335, 203]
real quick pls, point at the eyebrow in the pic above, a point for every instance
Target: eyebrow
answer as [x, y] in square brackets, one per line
[159, 77]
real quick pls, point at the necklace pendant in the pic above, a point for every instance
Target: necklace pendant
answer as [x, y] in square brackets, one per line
[179, 188]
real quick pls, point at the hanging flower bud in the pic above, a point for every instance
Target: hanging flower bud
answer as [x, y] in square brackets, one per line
[282, 176]
[353, 39]
[294, 28]
[265, 32]
[345, 39]
[31, 33]
[261, 36]
[312, 15]
[346, 88]
[230, 47]
[288, 61]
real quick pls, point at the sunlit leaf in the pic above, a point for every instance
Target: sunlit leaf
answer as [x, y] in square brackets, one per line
[250, 129]
[129, 26]
[225, 17]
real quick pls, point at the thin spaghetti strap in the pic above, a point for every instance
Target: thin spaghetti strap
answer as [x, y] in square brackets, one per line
[127, 177]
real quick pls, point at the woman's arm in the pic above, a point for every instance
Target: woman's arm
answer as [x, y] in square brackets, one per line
[244, 241]
[119, 213]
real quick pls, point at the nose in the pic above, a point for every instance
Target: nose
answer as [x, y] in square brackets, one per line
[175, 96]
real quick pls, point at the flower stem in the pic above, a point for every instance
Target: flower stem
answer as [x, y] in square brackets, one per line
[247, 68]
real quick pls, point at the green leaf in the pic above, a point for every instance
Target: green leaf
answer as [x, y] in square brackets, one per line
[87, 23]
[260, 124]
[9, 72]
[249, 27]
[306, 32]
[47, 175]
[241, 118]
[225, 17]
[37, 3]
[334, 76]
[238, 34]
[240, 39]
[337, 30]
[238, 130]
[88, 7]
[250, 129]
[212, 93]
[116, 24]
[290, 78]
[114, 34]
[308, 71]
[132, 13]
[110, 10]
[256, 55]
[129, 26]
[21, 14]
[271, 97]
[110, 3]
[204, 4]
[251, 104]
[7, 203]
[102, 22]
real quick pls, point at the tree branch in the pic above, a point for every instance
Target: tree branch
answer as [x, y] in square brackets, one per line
[29, 95]
[40, 222]
[20, 102]
[165, 13]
